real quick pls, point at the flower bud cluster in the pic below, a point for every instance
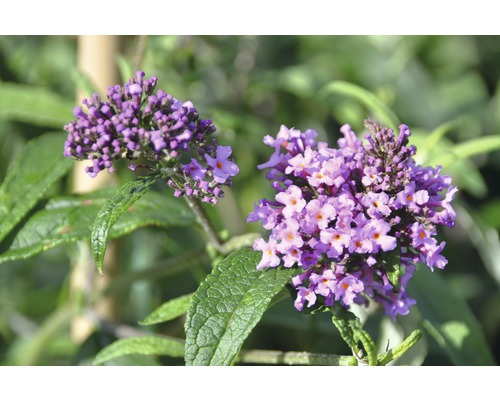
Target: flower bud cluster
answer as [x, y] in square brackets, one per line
[138, 123]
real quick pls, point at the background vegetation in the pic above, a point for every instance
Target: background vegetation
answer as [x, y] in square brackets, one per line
[446, 88]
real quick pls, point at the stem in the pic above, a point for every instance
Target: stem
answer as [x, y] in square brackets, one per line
[196, 207]
[293, 358]
[205, 223]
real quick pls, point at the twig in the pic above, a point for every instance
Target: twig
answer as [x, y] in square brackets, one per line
[293, 358]
[206, 224]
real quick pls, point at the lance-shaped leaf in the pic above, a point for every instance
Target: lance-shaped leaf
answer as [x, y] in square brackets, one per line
[127, 195]
[383, 113]
[228, 305]
[168, 311]
[449, 320]
[146, 345]
[401, 349]
[352, 332]
[39, 164]
[34, 105]
[69, 219]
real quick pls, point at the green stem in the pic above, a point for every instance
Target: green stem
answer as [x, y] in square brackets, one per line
[195, 206]
[293, 358]
[206, 224]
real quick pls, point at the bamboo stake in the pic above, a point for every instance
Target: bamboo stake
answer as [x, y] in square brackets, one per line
[97, 59]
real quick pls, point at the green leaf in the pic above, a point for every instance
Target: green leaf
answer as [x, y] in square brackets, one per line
[383, 113]
[401, 349]
[168, 311]
[125, 67]
[228, 305]
[127, 195]
[352, 332]
[477, 146]
[39, 164]
[146, 345]
[432, 140]
[34, 105]
[465, 173]
[392, 263]
[69, 219]
[449, 320]
[34, 347]
[368, 344]
[83, 82]
[482, 229]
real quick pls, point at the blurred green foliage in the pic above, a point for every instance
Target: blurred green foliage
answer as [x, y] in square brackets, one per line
[446, 88]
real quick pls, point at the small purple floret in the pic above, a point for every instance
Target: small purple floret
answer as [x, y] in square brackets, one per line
[135, 122]
[344, 215]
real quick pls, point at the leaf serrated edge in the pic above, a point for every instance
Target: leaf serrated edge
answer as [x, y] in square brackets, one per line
[191, 358]
[61, 167]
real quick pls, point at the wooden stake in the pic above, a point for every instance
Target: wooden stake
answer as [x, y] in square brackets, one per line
[97, 59]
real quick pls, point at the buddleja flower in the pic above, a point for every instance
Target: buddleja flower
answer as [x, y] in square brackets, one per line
[135, 122]
[356, 219]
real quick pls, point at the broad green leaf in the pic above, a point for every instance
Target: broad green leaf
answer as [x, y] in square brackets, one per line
[168, 311]
[127, 195]
[146, 345]
[383, 113]
[228, 305]
[449, 320]
[39, 164]
[69, 219]
[34, 105]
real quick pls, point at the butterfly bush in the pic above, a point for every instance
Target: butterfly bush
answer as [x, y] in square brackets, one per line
[138, 123]
[356, 219]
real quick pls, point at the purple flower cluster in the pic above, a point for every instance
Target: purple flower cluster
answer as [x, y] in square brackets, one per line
[135, 122]
[356, 219]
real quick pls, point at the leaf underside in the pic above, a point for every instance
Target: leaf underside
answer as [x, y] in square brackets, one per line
[119, 203]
